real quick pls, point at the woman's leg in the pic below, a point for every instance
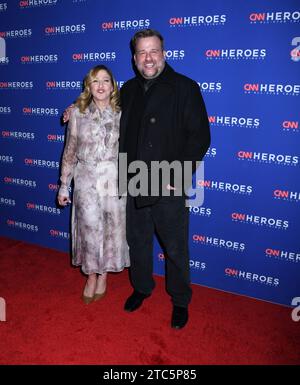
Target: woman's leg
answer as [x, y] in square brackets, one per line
[90, 287]
[101, 284]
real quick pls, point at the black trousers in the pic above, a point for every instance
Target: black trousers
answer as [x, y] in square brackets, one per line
[169, 218]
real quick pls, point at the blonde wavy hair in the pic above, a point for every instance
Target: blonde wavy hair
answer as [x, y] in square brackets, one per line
[85, 98]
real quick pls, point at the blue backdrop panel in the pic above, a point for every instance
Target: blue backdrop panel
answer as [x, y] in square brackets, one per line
[245, 58]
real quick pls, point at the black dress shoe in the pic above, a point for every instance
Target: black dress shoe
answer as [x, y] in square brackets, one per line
[180, 317]
[135, 301]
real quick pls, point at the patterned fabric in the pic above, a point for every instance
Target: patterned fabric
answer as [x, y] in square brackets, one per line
[98, 215]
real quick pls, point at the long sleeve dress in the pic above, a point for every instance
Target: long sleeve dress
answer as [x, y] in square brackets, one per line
[98, 214]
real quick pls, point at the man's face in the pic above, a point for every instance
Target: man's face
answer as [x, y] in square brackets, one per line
[149, 57]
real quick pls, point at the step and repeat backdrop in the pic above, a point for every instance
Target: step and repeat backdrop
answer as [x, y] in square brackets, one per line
[245, 57]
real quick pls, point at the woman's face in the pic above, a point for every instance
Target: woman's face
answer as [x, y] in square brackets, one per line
[101, 87]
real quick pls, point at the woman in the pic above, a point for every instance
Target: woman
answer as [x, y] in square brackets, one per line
[90, 157]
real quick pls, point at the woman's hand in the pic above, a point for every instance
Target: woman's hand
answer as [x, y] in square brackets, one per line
[67, 113]
[63, 200]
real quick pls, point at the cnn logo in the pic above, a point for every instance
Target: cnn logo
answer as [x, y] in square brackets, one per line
[2, 309]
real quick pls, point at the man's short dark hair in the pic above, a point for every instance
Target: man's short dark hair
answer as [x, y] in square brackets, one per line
[146, 33]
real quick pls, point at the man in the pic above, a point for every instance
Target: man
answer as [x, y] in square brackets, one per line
[163, 119]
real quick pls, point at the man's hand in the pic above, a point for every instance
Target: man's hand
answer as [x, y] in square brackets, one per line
[169, 187]
[67, 113]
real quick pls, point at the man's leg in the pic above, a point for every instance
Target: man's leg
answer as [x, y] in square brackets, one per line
[171, 219]
[139, 231]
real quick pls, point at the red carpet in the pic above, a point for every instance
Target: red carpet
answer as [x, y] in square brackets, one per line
[47, 323]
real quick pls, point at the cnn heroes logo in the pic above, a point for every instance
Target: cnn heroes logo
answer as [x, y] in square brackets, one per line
[283, 255]
[36, 3]
[225, 186]
[197, 20]
[9, 180]
[64, 29]
[40, 111]
[286, 195]
[22, 225]
[17, 135]
[16, 33]
[37, 207]
[64, 85]
[252, 277]
[257, 220]
[121, 25]
[236, 54]
[93, 56]
[51, 164]
[217, 242]
[234, 121]
[265, 157]
[16, 85]
[39, 59]
[275, 17]
[272, 89]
